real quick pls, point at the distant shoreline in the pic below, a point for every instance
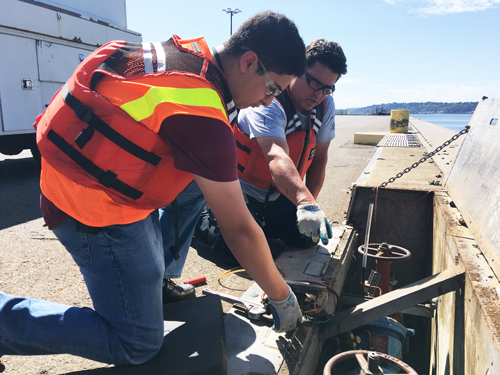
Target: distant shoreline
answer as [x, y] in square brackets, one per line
[427, 108]
[411, 113]
[451, 121]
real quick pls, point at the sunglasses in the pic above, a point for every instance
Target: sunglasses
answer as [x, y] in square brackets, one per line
[317, 85]
[271, 88]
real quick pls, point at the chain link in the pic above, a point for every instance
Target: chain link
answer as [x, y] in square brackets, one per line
[429, 155]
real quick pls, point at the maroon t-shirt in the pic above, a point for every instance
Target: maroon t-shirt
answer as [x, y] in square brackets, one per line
[201, 145]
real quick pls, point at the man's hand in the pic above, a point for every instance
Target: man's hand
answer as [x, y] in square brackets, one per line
[313, 223]
[286, 313]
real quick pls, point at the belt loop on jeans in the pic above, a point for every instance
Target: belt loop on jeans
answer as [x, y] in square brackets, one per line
[175, 248]
[82, 228]
[257, 209]
[271, 190]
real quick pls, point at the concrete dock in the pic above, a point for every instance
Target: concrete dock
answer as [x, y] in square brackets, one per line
[33, 263]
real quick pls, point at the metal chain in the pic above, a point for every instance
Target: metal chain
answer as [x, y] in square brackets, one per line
[429, 155]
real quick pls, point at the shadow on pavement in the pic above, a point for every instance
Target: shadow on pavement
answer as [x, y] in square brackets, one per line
[20, 191]
[194, 342]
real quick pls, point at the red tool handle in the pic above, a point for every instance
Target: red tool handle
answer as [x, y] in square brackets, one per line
[196, 281]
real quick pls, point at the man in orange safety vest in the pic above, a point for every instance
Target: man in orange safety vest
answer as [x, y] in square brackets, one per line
[137, 127]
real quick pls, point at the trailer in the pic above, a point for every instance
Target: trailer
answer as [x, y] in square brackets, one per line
[42, 42]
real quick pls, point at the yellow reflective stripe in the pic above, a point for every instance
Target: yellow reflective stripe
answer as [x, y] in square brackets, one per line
[144, 106]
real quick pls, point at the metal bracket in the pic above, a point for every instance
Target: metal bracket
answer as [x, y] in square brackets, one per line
[395, 301]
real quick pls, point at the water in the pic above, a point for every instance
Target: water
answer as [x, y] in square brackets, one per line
[455, 122]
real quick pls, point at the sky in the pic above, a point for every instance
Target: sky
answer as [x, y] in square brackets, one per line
[397, 50]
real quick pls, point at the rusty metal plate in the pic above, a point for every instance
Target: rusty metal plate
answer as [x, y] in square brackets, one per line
[473, 179]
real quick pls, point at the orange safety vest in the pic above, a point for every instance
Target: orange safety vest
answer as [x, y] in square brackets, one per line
[252, 165]
[103, 162]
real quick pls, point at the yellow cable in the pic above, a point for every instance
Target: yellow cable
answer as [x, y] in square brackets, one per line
[229, 272]
[316, 310]
[240, 269]
[282, 268]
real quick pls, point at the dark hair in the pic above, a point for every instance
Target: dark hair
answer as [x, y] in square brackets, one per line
[276, 41]
[329, 54]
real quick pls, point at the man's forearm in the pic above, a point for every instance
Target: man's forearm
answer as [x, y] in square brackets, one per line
[315, 180]
[252, 251]
[316, 173]
[288, 181]
[243, 235]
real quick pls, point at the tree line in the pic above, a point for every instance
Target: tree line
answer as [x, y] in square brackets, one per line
[427, 107]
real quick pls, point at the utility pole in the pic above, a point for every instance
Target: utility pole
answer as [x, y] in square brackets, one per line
[231, 12]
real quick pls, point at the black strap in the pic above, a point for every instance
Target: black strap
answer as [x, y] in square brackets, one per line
[217, 59]
[175, 212]
[243, 148]
[84, 136]
[106, 178]
[86, 115]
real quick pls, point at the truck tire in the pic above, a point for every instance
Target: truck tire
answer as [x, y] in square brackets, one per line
[36, 154]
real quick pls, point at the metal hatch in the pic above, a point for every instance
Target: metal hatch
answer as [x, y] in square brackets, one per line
[473, 180]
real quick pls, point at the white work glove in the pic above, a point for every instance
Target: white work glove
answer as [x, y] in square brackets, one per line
[312, 222]
[286, 313]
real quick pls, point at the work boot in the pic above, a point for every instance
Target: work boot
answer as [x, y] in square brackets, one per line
[207, 232]
[174, 293]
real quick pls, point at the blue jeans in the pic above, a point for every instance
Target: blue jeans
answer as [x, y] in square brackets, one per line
[123, 267]
[190, 203]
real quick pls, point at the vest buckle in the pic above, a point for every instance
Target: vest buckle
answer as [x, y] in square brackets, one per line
[83, 112]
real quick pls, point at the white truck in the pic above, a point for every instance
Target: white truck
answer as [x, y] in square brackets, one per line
[41, 44]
